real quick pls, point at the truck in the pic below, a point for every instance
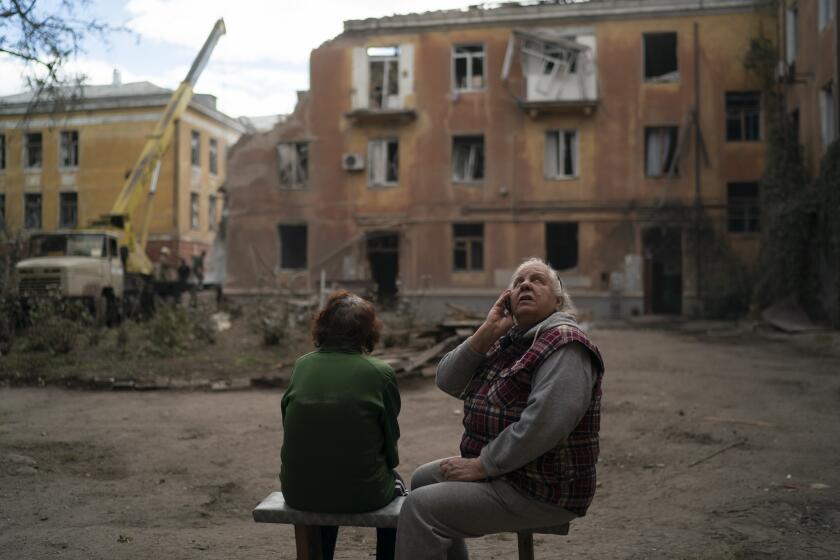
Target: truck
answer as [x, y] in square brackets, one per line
[105, 263]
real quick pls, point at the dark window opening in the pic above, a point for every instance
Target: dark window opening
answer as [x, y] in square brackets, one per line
[468, 246]
[32, 211]
[743, 116]
[195, 148]
[194, 210]
[292, 246]
[213, 156]
[743, 209]
[70, 148]
[2, 151]
[2, 211]
[660, 150]
[34, 150]
[660, 50]
[561, 245]
[68, 212]
[467, 158]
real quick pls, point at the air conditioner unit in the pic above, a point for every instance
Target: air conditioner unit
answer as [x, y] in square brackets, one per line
[353, 162]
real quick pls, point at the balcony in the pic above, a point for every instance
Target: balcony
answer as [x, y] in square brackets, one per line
[559, 71]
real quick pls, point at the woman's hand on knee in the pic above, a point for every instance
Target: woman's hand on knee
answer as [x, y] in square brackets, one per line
[462, 470]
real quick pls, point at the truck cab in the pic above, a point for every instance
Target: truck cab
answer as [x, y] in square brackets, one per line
[74, 264]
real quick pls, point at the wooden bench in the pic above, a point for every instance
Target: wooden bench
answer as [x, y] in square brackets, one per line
[307, 524]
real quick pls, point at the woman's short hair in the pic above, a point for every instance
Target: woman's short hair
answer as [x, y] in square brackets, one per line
[346, 321]
[566, 305]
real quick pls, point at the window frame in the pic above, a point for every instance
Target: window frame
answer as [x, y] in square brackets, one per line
[388, 61]
[195, 148]
[195, 211]
[468, 241]
[63, 223]
[27, 154]
[791, 34]
[2, 211]
[655, 79]
[561, 148]
[454, 55]
[297, 184]
[825, 13]
[40, 198]
[472, 159]
[3, 140]
[741, 116]
[372, 146]
[212, 212]
[75, 152]
[213, 156]
[748, 206]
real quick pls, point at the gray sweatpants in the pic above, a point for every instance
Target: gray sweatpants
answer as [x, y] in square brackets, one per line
[437, 515]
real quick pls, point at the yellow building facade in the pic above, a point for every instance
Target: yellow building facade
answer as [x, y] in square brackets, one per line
[64, 169]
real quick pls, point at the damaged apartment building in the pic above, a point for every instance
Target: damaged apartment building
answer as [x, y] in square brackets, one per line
[435, 151]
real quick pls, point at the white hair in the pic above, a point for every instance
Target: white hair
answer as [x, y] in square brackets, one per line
[565, 300]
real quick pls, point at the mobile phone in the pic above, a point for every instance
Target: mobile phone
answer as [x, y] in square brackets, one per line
[508, 306]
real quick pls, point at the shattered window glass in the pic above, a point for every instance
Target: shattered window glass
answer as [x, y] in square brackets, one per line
[468, 247]
[384, 77]
[660, 150]
[293, 165]
[383, 162]
[467, 158]
[561, 154]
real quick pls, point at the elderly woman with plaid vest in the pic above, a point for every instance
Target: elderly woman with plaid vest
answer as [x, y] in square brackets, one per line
[530, 380]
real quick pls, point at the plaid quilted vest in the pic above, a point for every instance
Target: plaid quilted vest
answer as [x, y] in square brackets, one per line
[496, 397]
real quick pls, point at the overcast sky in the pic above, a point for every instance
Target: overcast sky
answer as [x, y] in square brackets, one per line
[255, 69]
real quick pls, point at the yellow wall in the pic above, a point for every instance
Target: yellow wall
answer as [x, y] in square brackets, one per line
[109, 143]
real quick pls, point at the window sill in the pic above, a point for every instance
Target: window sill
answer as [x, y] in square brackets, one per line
[563, 179]
[456, 91]
[33, 169]
[655, 82]
[294, 189]
[661, 177]
[748, 142]
[383, 186]
[467, 183]
[72, 169]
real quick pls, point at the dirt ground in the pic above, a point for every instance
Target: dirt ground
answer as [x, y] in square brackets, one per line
[175, 474]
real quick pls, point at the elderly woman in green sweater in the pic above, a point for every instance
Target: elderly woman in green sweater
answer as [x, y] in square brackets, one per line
[340, 422]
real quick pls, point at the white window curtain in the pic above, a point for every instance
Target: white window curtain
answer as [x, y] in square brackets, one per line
[377, 162]
[658, 147]
[286, 164]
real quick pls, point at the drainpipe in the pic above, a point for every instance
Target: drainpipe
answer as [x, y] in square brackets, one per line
[697, 139]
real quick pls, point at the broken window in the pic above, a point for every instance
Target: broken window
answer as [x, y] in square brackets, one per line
[384, 77]
[826, 12]
[383, 162]
[660, 55]
[467, 158]
[660, 150]
[742, 207]
[293, 161]
[292, 246]
[468, 246]
[212, 213]
[195, 148]
[32, 211]
[468, 66]
[69, 148]
[743, 115]
[561, 245]
[2, 151]
[68, 211]
[213, 156]
[194, 209]
[827, 119]
[33, 150]
[791, 35]
[561, 154]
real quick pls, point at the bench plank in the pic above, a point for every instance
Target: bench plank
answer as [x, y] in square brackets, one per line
[274, 509]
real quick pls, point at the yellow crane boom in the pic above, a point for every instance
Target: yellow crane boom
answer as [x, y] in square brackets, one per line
[141, 180]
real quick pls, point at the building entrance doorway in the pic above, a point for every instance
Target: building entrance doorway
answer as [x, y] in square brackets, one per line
[383, 250]
[663, 270]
